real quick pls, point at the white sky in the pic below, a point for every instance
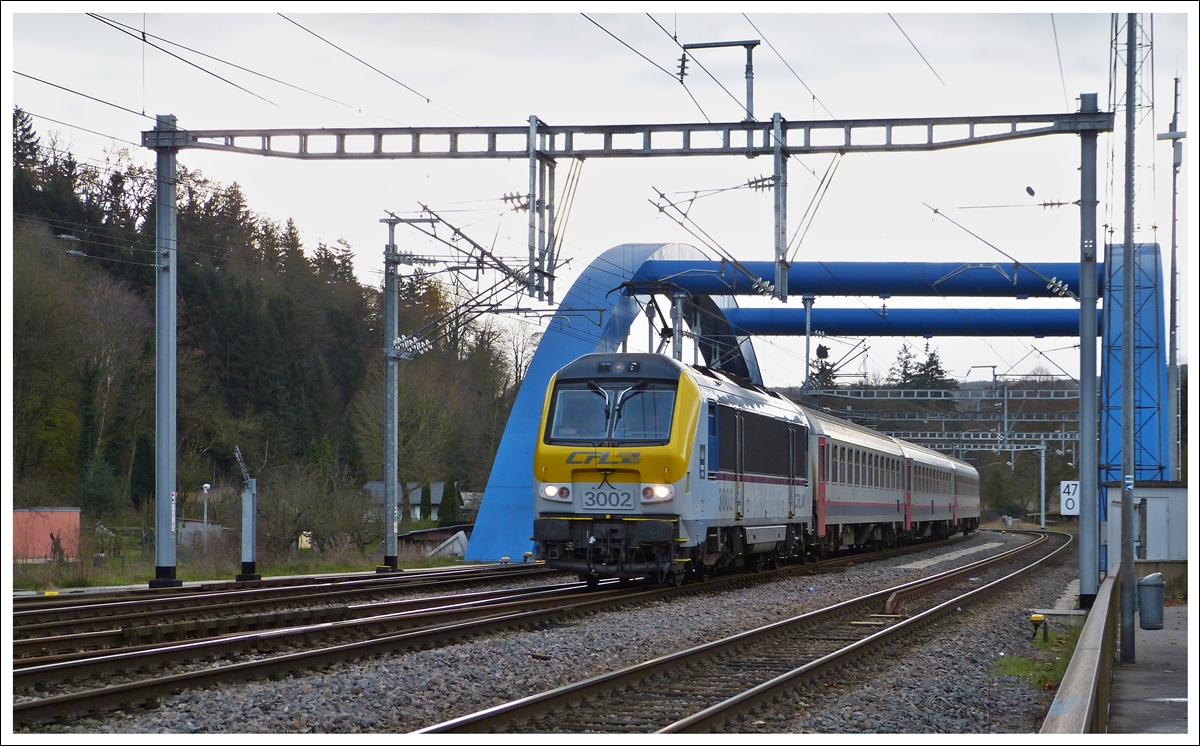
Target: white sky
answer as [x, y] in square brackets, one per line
[498, 69]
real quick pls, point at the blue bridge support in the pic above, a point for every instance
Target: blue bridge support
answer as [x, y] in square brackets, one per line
[594, 316]
[1153, 455]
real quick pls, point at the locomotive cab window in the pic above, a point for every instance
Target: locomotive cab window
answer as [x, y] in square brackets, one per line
[644, 415]
[588, 413]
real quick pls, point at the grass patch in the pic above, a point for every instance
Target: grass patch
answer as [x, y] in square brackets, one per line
[1045, 669]
[1177, 588]
[220, 560]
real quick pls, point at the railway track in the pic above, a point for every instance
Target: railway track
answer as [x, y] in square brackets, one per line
[376, 628]
[70, 614]
[703, 688]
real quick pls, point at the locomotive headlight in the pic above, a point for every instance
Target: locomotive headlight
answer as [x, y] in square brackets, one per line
[556, 492]
[657, 493]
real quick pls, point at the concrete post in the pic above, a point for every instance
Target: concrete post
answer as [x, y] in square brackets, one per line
[249, 498]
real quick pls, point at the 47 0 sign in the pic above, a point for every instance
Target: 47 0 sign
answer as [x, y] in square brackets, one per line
[1068, 498]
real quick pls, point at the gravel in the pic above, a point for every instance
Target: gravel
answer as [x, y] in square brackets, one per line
[943, 681]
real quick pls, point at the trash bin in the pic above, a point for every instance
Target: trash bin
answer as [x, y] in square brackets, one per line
[1151, 590]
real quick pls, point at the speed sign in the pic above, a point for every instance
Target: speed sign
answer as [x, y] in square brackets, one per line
[1068, 498]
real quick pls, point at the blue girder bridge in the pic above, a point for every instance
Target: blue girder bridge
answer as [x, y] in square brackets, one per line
[598, 311]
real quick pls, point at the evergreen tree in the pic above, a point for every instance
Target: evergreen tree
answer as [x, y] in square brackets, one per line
[141, 477]
[448, 513]
[904, 369]
[99, 494]
[931, 375]
[427, 501]
[26, 150]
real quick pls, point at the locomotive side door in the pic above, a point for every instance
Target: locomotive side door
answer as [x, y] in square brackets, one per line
[908, 487]
[793, 469]
[740, 489]
[822, 476]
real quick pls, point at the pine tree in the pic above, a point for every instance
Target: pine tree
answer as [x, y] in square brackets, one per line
[448, 513]
[931, 375]
[26, 151]
[426, 501]
[904, 369]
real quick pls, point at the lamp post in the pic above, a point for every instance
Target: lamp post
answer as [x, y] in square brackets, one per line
[206, 487]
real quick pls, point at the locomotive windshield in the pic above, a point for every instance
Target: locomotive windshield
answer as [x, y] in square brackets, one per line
[610, 415]
[580, 414]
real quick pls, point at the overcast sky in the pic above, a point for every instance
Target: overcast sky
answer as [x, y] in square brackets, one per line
[471, 69]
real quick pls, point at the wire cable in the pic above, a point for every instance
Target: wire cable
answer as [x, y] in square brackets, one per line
[376, 69]
[698, 64]
[1058, 53]
[76, 126]
[652, 62]
[918, 51]
[93, 98]
[789, 67]
[237, 66]
[144, 40]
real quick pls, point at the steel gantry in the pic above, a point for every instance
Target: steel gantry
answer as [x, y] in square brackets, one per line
[543, 144]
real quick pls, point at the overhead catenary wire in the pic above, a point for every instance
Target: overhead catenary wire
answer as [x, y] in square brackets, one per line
[351, 55]
[714, 78]
[789, 67]
[84, 95]
[814, 204]
[652, 62]
[1058, 53]
[202, 69]
[700, 65]
[918, 51]
[302, 89]
[83, 129]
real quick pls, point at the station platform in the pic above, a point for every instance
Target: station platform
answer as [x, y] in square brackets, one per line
[1150, 695]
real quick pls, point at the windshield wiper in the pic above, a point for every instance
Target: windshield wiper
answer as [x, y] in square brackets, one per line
[626, 394]
[601, 391]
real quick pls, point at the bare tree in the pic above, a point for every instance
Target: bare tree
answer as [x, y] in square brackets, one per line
[522, 344]
[428, 409]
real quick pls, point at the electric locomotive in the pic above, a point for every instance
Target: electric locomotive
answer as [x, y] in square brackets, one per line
[646, 467]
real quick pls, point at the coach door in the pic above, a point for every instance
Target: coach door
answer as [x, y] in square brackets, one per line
[954, 493]
[908, 487]
[822, 477]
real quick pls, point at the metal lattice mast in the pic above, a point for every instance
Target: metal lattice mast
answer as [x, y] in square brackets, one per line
[1128, 362]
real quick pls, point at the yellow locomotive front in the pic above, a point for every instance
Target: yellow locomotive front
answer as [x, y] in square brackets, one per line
[611, 466]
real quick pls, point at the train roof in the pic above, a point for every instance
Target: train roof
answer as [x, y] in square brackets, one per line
[832, 426]
[932, 457]
[599, 366]
[849, 432]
